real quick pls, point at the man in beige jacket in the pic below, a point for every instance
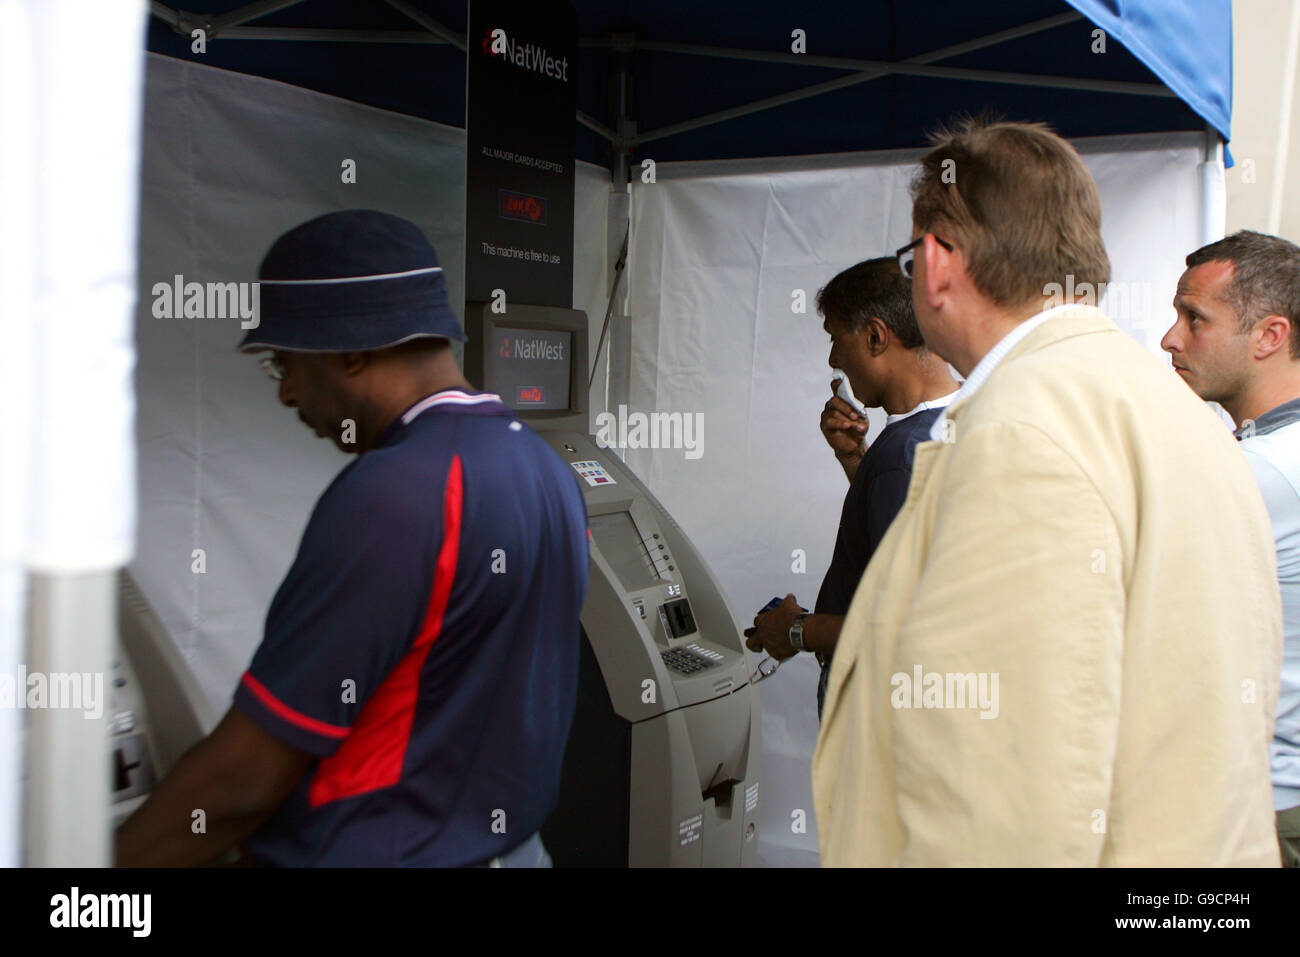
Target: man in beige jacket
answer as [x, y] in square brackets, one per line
[1065, 651]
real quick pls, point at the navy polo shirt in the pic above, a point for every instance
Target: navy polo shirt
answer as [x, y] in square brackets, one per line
[875, 496]
[424, 645]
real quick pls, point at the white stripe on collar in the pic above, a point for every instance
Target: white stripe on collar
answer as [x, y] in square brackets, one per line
[449, 397]
[326, 282]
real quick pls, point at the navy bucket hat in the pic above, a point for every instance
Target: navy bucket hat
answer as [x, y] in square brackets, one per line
[351, 281]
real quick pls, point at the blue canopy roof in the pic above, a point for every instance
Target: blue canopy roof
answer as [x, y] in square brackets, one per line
[1166, 65]
[1186, 43]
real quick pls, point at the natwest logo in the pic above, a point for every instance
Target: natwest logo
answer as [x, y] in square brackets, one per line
[526, 55]
[530, 395]
[521, 206]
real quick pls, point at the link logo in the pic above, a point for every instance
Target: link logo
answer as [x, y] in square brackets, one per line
[521, 207]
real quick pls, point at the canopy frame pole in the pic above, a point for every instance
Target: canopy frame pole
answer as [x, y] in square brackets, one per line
[326, 35]
[429, 23]
[943, 53]
[615, 333]
[249, 11]
[830, 86]
[601, 129]
[1015, 79]
[168, 15]
[184, 22]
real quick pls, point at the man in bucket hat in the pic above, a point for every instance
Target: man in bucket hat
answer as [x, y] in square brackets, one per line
[411, 698]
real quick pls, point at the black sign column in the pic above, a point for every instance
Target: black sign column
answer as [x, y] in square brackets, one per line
[520, 109]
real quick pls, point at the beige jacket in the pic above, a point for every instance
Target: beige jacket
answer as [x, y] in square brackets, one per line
[1090, 544]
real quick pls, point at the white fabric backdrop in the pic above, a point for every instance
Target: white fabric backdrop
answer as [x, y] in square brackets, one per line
[230, 162]
[717, 251]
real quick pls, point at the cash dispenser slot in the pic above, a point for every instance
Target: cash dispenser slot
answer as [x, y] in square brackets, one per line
[677, 618]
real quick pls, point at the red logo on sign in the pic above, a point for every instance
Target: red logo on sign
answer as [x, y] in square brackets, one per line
[521, 206]
[504, 351]
[526, 206]
[531, 394]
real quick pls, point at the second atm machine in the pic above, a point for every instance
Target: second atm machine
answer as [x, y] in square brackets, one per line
[662, 766]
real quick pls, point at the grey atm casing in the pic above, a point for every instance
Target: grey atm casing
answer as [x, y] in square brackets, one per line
[694, 739]
[663, 765]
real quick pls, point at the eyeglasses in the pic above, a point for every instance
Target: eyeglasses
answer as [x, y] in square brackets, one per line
[907, 254]
[272, 366]
[763, 671]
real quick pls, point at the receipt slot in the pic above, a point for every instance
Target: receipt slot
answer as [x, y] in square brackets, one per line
[662, 766]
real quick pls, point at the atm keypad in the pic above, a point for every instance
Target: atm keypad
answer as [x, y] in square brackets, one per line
[685, 662]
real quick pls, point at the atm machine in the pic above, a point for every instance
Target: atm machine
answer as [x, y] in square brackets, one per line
[663, 761]
[662, 765]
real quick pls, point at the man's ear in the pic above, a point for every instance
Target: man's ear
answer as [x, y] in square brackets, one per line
[353, 362]
[939, 266]
[1271, 334]
[877, 336]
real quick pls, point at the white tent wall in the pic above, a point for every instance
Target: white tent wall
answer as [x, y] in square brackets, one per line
[718, 251]
[229, 162]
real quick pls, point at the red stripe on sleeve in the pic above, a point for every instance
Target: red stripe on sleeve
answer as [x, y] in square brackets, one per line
[284, 712]
[373, 754]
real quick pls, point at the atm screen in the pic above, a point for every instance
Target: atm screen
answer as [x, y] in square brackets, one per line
[530, 368]
[619, 541]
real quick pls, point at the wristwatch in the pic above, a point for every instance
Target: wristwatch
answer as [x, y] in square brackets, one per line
[796, 634]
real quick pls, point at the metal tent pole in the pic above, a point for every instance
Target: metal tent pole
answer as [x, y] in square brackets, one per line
[1213, 212]
[72, 621]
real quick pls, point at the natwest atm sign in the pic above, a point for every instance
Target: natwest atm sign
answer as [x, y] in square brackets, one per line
[530, 395]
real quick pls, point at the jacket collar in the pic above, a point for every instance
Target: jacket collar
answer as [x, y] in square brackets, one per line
[1073, 321]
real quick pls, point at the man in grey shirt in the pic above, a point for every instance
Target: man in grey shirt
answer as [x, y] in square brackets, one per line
[1237, 342]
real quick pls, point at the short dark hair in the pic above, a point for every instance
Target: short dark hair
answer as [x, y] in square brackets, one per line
[874, 288]
[1265, 278]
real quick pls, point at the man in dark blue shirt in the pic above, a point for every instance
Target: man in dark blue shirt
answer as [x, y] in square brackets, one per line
[411, 699]
[875, 342]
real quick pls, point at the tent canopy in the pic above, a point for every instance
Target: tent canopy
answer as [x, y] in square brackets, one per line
[877, 74]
